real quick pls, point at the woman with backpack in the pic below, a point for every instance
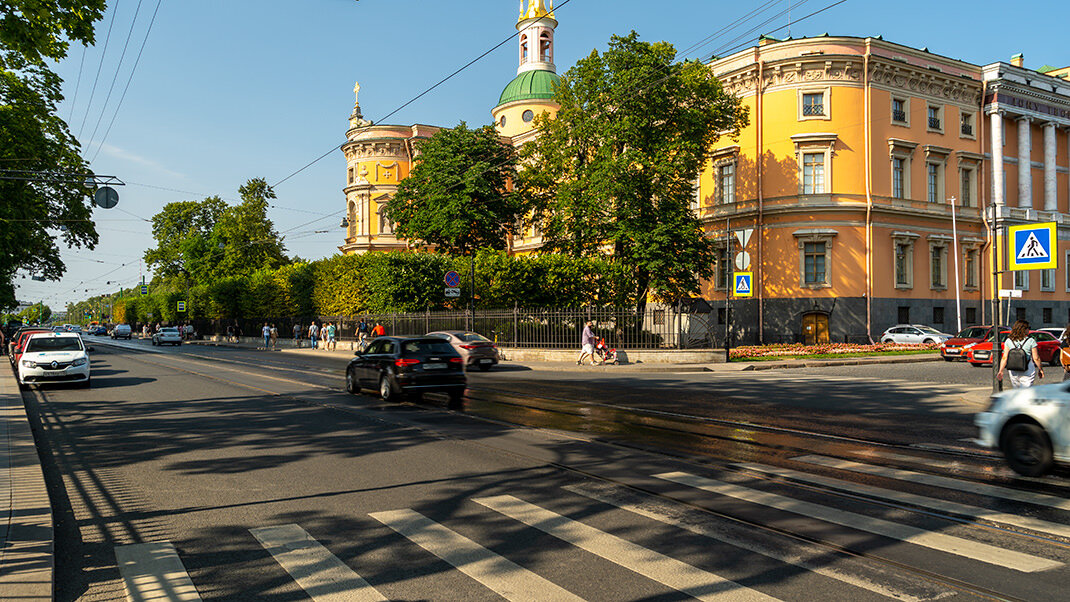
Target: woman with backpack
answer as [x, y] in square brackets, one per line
[1020, 357]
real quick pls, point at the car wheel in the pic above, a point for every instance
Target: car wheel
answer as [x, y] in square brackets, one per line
[386, 390]
[887, 341]
[352, 386]
[928, 341]
[1027, 449]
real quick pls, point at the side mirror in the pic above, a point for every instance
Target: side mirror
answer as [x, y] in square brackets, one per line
[358, 353]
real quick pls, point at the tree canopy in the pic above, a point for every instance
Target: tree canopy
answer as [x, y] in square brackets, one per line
[613, 173]
[210, 239]
[33, 139]
[456, 195]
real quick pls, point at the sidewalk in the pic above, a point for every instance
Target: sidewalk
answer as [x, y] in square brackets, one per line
[26, 550]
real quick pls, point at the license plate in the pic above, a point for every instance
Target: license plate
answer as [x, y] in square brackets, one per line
[951, 351]
[434, 366]
[53, 373]
[484, 361]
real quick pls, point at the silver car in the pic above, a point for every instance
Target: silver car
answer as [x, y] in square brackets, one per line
[167, 336]
[914, 334]
[477, 350]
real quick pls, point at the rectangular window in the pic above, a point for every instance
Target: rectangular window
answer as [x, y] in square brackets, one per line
[813, 104]
[720, 315]
[898, 165]
[966, 124]
[1019, 313]
[902, 265]
[966, 190]
[1047, 280]
[938, 315]
[814, 263]
[813, 173]
[1046, 313]
[726, 183]
[1021, 280]
[899, 110]
[721, 281]
[971, 315]
[932, 178]
[904, 314]
[937, 267]
[935, 122]
[971, 268]
[350, 175]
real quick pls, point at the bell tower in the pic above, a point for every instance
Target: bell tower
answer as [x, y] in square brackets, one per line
[531, 91]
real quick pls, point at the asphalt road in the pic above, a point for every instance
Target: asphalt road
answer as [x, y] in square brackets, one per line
[261, 479]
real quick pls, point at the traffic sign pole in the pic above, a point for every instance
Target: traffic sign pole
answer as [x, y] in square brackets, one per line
[727, 291]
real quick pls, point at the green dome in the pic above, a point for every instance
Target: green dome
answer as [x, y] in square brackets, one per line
[530, 85]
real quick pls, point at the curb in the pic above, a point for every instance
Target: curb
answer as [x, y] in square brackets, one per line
[26, 534]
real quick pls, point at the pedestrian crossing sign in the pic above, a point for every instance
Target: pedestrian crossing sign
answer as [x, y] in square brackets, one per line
[1033, 246]
[181, 306]
[742, 286]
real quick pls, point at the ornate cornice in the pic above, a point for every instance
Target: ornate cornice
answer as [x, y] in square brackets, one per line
[393, 149]
[922, 82]
[794, 73]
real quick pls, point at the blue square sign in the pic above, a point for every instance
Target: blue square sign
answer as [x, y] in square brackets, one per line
[742, 284]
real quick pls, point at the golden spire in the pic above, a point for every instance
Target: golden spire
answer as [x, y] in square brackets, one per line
[537, 9]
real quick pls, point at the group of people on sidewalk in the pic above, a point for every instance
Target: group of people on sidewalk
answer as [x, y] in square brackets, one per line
[1021, 361]
[323, 336]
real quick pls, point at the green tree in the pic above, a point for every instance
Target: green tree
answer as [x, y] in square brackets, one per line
[613, 172]
[456, 196]
[182, 230]
[248, 238]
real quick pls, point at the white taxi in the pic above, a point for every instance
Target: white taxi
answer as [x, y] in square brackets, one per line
[1031, 426]
[54, 357]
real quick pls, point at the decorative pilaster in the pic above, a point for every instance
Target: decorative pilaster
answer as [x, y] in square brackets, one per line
[996, 120]
[1051, 194]
[1025, 164]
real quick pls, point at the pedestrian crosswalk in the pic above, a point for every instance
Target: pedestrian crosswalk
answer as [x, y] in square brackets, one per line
[585, 517]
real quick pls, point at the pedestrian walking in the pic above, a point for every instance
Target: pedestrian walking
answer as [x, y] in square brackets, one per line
[266, 331]
[313, 331]
[332, 334]
[587, 342]
[274, 337]
[1020, 358]
[379, 330]
[1064, 352]
[144, 331]
[297, 335]
[362, 332]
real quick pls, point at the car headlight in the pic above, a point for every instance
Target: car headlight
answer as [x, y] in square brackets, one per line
[968, 346]
[80, 362]
[29, 363]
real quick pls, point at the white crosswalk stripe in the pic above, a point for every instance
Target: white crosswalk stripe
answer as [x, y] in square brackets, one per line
[153, 571]
[936, 541]
[499, 574]
[1039, 499]
[922, 501]
[653, 565]
[320, 573]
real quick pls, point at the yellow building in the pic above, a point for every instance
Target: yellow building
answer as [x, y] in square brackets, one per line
[858, 155]
[378, 157]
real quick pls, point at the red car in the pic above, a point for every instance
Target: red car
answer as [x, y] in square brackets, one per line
[980, 354]
[19, 341]
[954, 348]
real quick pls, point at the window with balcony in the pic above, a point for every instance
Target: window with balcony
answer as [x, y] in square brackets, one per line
[966, 125]
[935, 116]
[899, 111]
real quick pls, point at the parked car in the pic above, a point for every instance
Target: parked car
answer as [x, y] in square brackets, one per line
[52, 357]
[913, 334]
[167, 336]
[98, 330]
[953, 348]
[476, 349]
[121, 331]
[980, 354]
[1031, 426]
[1055, 332]
[410, 366]
[19, 339]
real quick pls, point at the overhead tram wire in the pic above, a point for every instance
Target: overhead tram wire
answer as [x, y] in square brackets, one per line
[415, 98]
[77, 85]
[133, 69]
[100, 65]
[118, 68]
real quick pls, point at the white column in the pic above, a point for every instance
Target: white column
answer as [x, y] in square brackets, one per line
[1025, 164]
[1051, 194]
[996, 120]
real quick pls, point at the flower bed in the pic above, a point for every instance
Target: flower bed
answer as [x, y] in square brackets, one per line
[788, 350]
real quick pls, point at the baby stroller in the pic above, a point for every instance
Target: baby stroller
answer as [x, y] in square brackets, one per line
[607, 355]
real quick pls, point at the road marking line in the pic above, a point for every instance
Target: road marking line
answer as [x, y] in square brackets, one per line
[1040, 499]
[320, 573]
[936, 541]
[922, 501]
[815, 562]
[153, 571]
[653, 565]
[501, 575]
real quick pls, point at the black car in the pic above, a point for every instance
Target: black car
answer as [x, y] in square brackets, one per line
[409, 366]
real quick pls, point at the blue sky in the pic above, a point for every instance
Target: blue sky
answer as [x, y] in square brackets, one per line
[228, 90]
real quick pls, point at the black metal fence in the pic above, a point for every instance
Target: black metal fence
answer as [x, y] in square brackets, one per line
[625, 328]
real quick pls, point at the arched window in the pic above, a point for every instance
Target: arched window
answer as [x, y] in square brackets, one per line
[523, 49]
[544, 47]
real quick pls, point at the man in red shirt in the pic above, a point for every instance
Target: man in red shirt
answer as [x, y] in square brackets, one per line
[378, 331]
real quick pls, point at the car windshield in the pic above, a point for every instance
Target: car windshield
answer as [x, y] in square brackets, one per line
[928, 329]
[469, 337]
[425, 346]
[974, 332]
[169, 331]
[1043, 336]
[54, 344]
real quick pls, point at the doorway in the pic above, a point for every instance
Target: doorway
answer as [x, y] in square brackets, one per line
[815, 328]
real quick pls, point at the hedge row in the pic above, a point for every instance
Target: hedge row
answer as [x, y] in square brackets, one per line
[379, 283]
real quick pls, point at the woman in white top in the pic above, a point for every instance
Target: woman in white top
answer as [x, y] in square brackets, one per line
[1020, 339]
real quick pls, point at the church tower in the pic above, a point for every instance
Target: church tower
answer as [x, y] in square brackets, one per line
[531, 91]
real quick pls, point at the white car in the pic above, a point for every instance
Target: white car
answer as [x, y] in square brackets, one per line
[913, 334]
[1031, 426]
[54, 357]
[167, 336]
